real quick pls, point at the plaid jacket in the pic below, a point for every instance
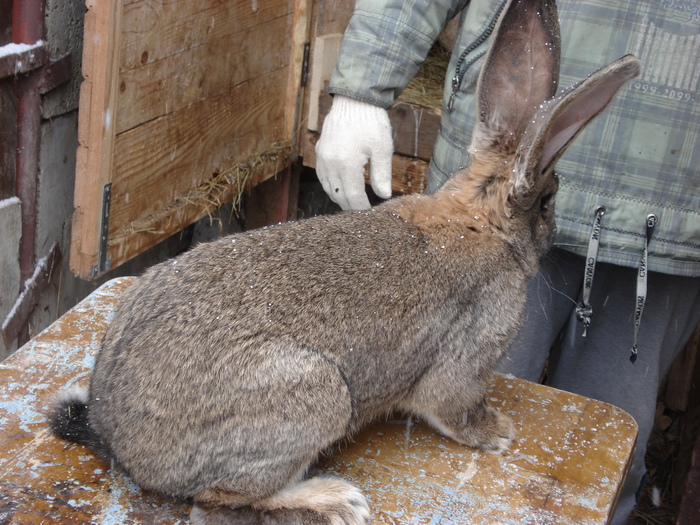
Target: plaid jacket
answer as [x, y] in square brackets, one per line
[641, 156]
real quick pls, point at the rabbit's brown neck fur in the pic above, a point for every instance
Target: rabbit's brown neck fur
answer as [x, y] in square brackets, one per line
[476, 198]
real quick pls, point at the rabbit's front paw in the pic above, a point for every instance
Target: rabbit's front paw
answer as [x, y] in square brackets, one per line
[496, 433]
[481, 427]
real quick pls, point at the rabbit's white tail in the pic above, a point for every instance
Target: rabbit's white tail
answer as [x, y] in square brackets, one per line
[317, 501]
[69, 420]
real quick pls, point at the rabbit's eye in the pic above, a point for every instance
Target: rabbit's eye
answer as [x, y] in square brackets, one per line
[545, 201]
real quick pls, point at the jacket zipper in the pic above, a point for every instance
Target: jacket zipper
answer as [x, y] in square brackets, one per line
[459, 72]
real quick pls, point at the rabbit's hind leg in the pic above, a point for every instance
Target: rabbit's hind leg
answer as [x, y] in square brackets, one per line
[317, 501]
[300, 405]
[331, 501]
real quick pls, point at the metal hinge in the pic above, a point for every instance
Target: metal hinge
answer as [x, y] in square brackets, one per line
[305, 64]
[104, 263]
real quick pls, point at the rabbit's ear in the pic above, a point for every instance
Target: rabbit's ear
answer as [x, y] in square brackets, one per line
[559, 120]
[520, 72]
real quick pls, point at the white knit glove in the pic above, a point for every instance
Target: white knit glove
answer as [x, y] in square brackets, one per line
[354, 133]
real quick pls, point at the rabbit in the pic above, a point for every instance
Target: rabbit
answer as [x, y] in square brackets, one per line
[228, 370]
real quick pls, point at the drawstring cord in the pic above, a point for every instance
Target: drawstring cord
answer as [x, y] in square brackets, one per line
[642, 283]
[584, 310]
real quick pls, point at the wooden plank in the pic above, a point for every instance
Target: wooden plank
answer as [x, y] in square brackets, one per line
[146, 231]
[162, 161]
[156, 30]
[161, 87]
[98, 94]
[409, 175]
[325, 55]
[566, 466]
[415, 129]
[23, 59]
[332, 16]
[327, 18]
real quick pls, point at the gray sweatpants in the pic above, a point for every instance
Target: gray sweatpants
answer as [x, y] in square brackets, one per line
[598, 366]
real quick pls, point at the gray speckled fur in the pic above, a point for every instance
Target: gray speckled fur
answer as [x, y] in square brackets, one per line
[248, 356]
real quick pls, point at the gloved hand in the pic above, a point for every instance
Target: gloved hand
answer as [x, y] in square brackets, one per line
[354, 132]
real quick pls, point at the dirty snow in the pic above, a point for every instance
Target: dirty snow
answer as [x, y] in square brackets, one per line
[12, 201]
[16, 49]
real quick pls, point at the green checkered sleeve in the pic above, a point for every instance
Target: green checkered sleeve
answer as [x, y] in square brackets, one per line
[385, 44]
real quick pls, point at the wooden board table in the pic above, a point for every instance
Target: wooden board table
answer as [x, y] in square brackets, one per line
[566, 466]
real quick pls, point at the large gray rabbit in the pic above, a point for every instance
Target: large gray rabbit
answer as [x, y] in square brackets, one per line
[228, 370]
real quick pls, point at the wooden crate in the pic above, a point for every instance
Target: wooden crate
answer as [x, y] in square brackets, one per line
[183, 106]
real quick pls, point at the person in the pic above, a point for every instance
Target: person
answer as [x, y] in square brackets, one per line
[619, 295]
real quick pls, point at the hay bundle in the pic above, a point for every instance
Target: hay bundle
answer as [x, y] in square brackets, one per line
[223, 186]
[426, 88]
